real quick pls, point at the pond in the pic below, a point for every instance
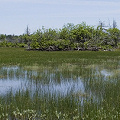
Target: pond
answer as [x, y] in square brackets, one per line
[64, 87]
[14, 78]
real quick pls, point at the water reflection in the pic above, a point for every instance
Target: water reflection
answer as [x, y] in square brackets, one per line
[17, 79]
[11, 80]
[6, 86]
[105, 73]
[64, 88]
[14, 78]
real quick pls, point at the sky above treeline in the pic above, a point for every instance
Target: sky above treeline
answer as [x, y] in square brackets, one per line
[15, 15]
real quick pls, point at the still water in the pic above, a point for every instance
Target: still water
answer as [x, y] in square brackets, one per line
[15, 78]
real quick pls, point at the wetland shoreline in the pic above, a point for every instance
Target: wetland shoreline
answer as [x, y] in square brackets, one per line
[62, 85]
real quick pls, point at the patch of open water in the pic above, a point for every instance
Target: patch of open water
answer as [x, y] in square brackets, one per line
[16, 79]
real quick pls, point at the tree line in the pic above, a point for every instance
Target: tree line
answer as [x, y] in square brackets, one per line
[69, 37]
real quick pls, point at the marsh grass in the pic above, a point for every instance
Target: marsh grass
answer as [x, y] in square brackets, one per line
[98, 72]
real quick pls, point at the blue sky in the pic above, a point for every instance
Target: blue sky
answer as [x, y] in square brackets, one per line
[15, 15]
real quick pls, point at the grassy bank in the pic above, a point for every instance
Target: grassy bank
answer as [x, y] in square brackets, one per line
[15, 56]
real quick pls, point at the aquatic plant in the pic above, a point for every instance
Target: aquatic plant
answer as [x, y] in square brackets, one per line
[59, 85]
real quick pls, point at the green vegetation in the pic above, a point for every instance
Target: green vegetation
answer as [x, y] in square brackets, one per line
[70, 37]
[98, 73]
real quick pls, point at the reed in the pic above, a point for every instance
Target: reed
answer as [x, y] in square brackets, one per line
[62, 85]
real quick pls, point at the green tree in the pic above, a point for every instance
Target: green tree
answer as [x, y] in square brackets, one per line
[81, 33]
[114, 34]
[66, 31]
[2, 37]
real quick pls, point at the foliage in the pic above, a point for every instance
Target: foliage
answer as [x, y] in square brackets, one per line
[69, 37]
[2, 37]
[114, 35]
[10, 44]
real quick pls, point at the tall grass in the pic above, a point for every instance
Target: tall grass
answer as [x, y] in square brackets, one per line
[98, 71]
[19, 56]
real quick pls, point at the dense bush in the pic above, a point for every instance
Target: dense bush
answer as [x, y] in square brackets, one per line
[70, 37]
